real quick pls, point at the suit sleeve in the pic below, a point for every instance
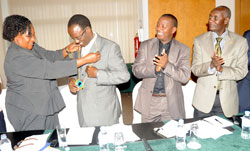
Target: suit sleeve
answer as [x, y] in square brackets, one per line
[143, 66]
[30, 66]
[116, 72]
[49, 54]
[240, 70]
[199, 68]
[181, 70]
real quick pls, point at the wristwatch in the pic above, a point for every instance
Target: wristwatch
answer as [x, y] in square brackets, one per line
[67, 50]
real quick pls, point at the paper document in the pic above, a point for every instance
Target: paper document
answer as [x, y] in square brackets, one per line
[209, 130]
[80, 136]
[167, 130]
[218, 121]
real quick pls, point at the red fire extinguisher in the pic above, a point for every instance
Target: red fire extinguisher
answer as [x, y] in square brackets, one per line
[137, 44]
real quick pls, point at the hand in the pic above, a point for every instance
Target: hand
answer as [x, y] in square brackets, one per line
[72, 85]
[92, 57]
[91, 71]
[216, 61]
[73, 47]
[219, 68]
[160, 61]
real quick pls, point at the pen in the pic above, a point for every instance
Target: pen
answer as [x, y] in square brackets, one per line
[146, 145]
[207, 121]
[218, 121]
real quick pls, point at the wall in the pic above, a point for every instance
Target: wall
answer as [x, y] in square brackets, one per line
[192, 17]
[2, 52]
[242, 16]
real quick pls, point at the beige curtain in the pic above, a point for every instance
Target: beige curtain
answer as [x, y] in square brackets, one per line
[113, 19]
[2, 52]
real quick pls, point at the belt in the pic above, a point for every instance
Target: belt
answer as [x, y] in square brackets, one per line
[159, 95]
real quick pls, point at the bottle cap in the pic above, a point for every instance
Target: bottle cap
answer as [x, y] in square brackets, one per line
[247, 113]
[181, 122]
[3, 136]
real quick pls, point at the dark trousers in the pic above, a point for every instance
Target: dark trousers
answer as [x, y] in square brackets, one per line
[2, 123]
[216, 110]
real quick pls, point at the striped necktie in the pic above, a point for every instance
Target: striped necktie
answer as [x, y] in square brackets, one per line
[217, 46]
[218, 52]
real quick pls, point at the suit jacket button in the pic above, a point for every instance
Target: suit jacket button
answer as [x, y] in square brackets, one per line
[214, 86]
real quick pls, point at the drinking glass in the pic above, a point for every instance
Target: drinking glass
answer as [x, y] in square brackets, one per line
[119, 141]
[61, 135]
[193, 142]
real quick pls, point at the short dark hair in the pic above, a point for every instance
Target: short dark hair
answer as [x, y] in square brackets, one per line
[80, 20]
[227, 11]
[15, 24]
[174, 19]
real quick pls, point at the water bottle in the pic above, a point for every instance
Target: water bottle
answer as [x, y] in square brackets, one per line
[180, 136]
[5, 144]
[103, 140]
[245, 125]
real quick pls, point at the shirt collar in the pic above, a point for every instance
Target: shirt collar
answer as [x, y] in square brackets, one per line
[86, 49]
[223, 36]
[166, 46]
[90, 44]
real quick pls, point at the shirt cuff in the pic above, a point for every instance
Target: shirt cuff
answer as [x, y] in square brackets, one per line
[97, 74]
[211, 70]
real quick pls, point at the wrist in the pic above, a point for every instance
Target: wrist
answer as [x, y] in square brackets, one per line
[66, 49]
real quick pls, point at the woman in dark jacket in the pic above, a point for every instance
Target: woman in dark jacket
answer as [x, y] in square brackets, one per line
[33, 99]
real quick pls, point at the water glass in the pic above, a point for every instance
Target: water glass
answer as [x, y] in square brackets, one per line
[61, 135]
[193, 143]
[119, 141]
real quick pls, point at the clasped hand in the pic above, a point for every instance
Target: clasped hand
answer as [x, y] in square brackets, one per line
[217, 62]
[160, 61]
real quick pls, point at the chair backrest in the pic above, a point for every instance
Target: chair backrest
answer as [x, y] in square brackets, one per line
[9, 127]
[136, 115]
[120, 101]
[188, 92]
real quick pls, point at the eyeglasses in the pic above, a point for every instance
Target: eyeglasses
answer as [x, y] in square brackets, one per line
[80, 37]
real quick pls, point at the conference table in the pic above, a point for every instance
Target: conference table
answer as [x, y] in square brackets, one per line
[231, 142]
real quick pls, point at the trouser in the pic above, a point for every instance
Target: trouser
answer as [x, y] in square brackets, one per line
[2, 123]
[216, 109]
[158, 110]
[23, 120]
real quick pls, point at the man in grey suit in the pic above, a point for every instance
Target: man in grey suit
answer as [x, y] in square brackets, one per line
[219, 61]
[97, 102]
[164, 65]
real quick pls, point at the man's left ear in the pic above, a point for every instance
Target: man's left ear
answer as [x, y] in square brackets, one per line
[226, 21]
[174, 30]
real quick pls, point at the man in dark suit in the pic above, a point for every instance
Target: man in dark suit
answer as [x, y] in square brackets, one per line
[164, 65]
[244, 85]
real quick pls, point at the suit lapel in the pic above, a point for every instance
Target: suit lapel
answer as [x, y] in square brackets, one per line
[173, 51]
[209, 44]
[228, 45]
[155, 48]
[96, 45]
